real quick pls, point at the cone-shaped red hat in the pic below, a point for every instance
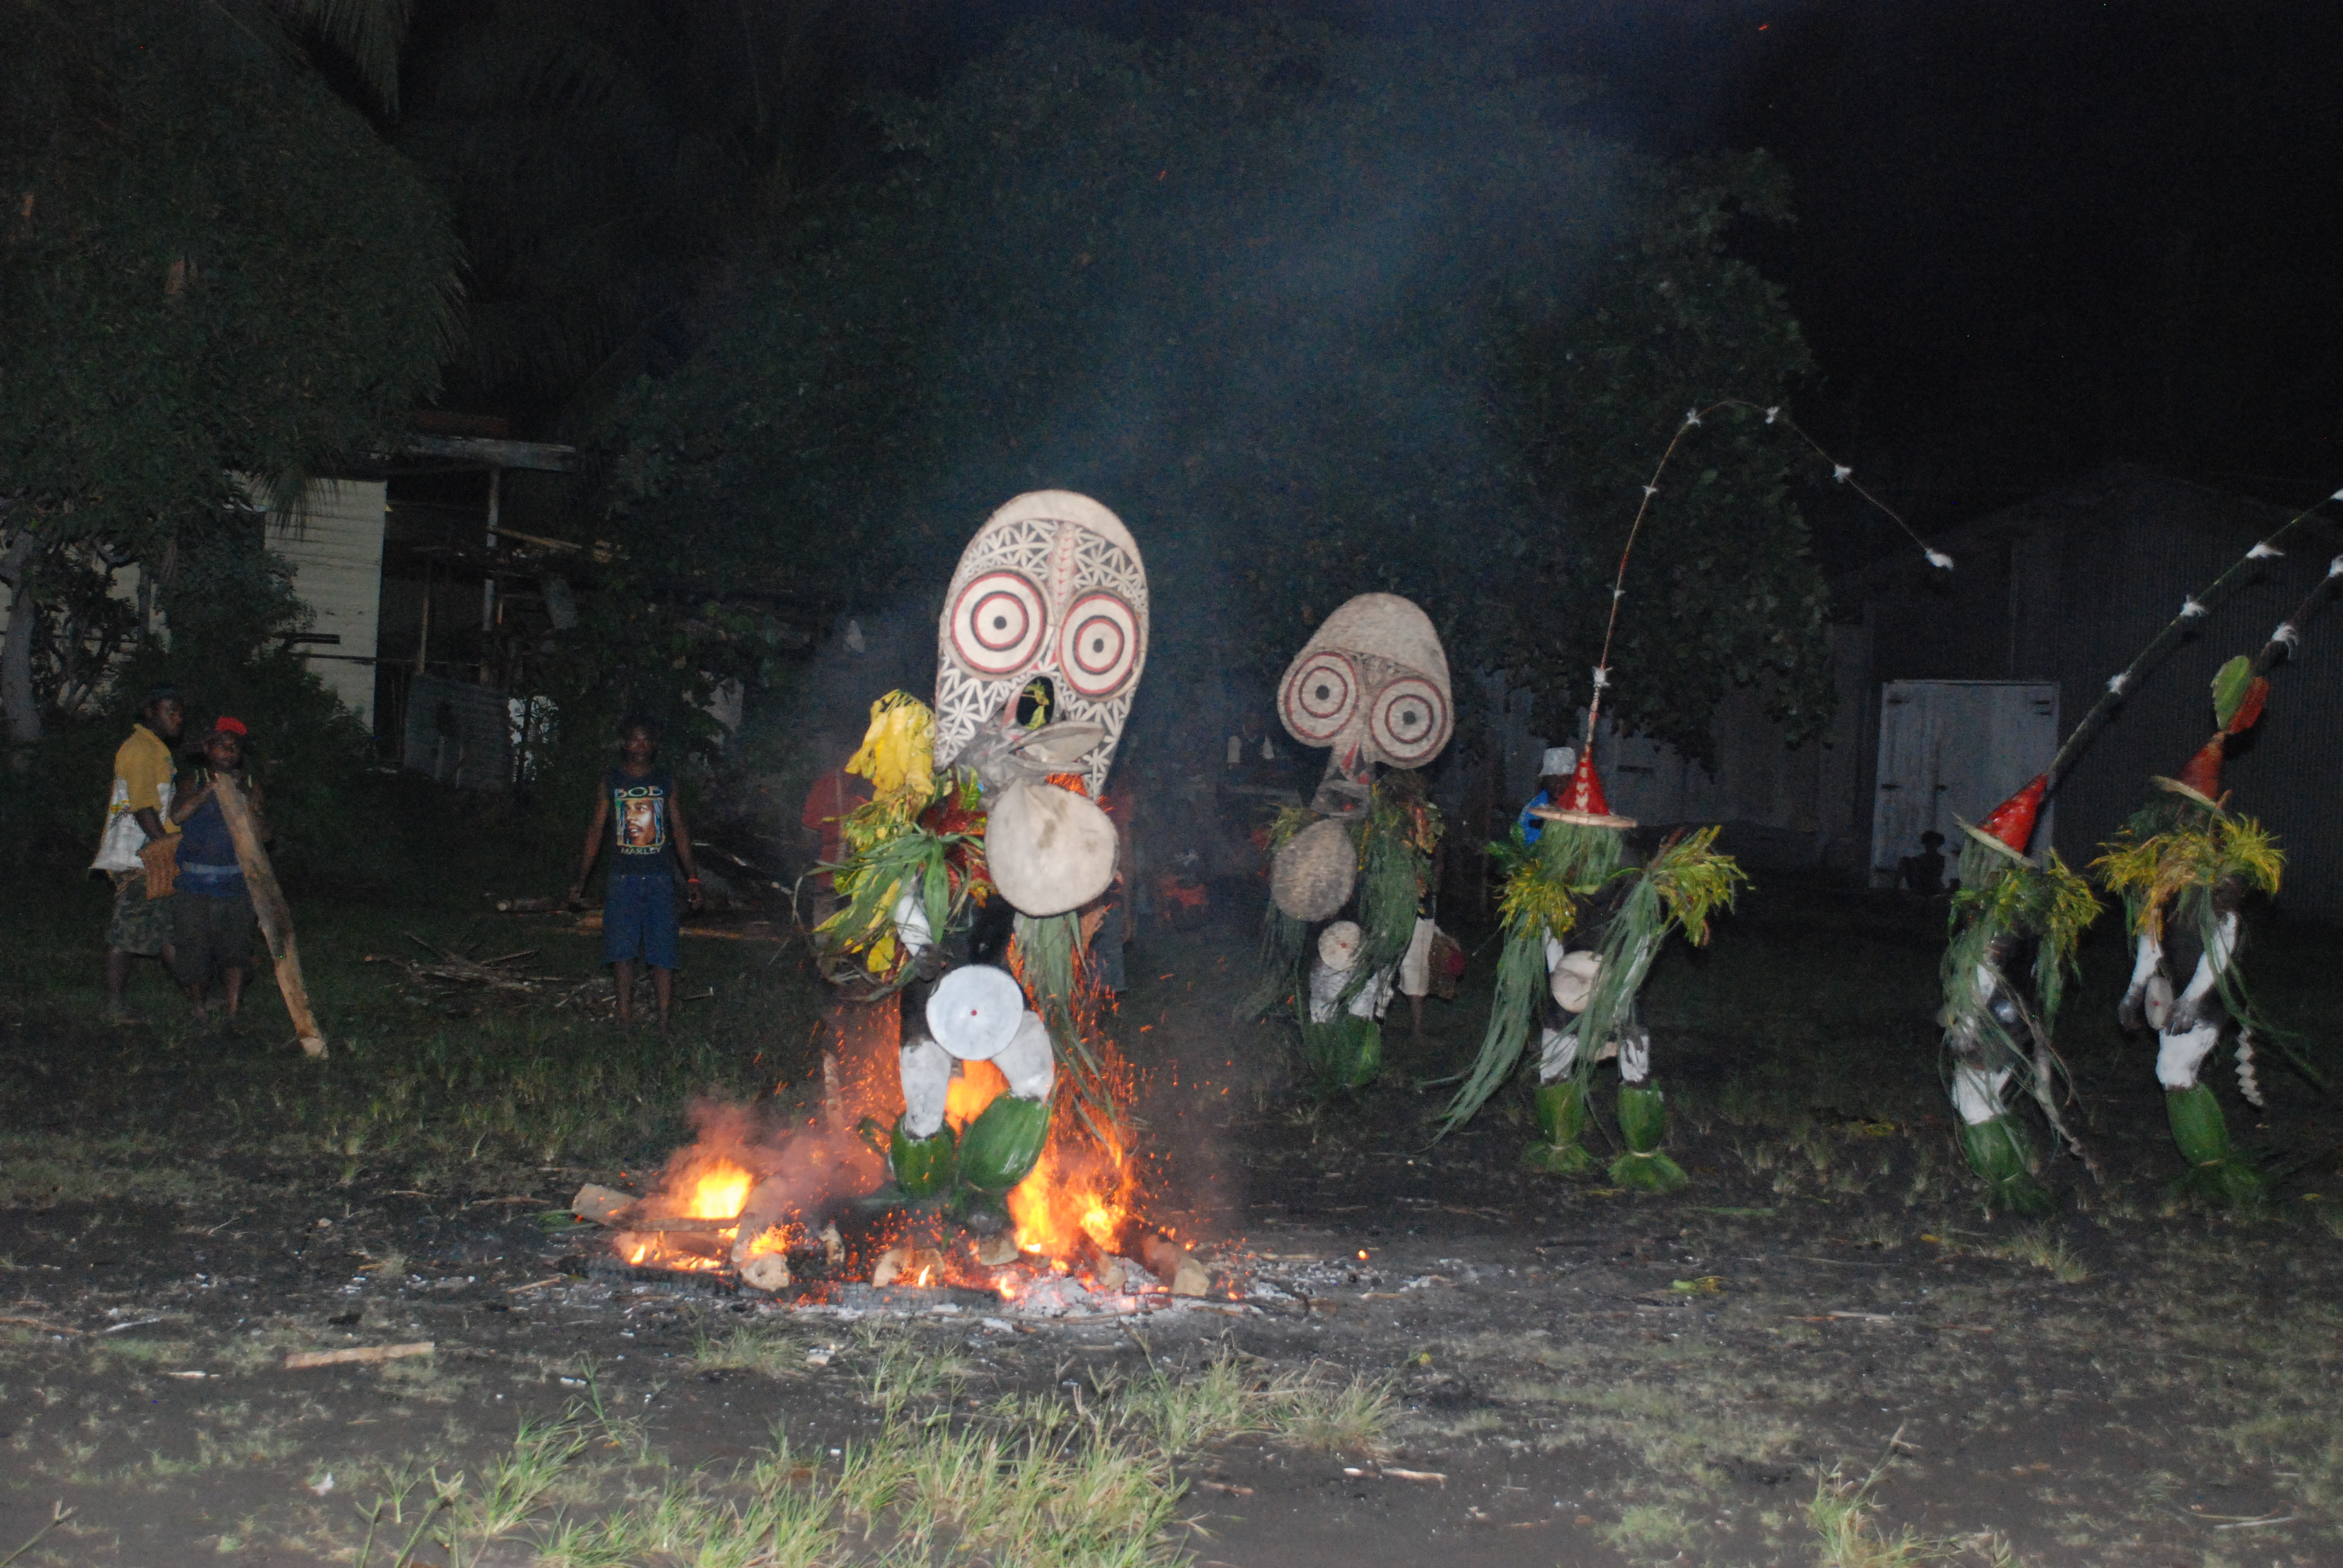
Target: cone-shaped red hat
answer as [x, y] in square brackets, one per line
[2012, 821]
[2203, 773]
[1584, 792]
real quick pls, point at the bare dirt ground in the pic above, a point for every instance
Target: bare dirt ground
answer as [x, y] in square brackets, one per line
[1573, 1374]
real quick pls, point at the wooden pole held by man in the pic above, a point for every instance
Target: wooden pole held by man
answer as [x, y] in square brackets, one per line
[269, 904]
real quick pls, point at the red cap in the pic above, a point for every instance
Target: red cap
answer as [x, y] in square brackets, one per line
[224, 725]
[2012, 821]
[1584, 792]
[2203, 773]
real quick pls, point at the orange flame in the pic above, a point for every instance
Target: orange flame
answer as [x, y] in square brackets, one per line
[718, 1192]
[977, 1085]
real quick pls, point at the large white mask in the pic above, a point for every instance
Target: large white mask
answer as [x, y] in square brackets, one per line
[1043, 638]
[1372, 685]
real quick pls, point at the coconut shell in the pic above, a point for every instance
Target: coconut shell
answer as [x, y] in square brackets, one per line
[1312, 874]
[1048, 850]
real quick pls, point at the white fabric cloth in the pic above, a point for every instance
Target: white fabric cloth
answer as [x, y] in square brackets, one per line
[1557, 763]
[1635, 1058]
[1326, 988]
[1557, 1054]
[1976, 1093]
[911, 925]
[119, 850]
[1416, 964]
[1028, 1062]
[2179, 1055]
[927, 1070]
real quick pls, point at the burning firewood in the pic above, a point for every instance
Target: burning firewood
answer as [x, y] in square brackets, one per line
[600, 1205]
[907, 1264]
[1174, 1265]
[766, 1271]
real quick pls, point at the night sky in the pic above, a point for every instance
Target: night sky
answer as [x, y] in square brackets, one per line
[2033, 238]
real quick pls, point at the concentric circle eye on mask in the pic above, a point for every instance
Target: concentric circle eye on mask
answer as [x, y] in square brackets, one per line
[1321, 697]
[1409, 720]
[998, 623]
[1100, 644]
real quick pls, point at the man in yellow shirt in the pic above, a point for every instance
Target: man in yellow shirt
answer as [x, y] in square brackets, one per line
[136, 814]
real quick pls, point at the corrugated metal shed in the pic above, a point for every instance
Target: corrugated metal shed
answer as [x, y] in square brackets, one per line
[335, 551]
[2069, 587]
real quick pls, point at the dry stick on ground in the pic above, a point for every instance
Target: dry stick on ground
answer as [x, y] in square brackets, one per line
[357, 1353]
[269, 903]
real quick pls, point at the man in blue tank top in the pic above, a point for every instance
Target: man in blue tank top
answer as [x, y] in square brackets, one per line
[638, 818]
[213, 920]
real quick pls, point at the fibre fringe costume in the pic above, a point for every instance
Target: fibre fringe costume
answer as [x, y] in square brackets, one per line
[1574, 883]
[2183, 867]
[1372, 687]
[2015, 926]
[964, 876]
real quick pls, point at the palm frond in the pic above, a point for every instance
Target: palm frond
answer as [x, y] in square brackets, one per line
[369, 34]
[1693, 881]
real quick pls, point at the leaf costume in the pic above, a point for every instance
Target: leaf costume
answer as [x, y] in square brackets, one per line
[2015, 926]
[2184, 866]
[965, 875]
[1575, 884]
[2017, 922]
[1372, 687]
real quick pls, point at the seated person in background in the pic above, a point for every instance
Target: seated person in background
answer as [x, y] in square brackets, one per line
[214, 920]
[1553, 777]
[1923, 873]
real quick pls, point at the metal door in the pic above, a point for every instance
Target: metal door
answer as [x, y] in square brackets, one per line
[1954, 750]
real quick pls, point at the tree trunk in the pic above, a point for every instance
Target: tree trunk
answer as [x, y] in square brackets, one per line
[16, 646]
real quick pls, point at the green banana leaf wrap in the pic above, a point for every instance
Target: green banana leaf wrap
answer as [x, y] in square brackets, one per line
[1547, 884]
[1344, 1053]
[999, 1148]
[1562, 1117]
[1997, 1153]
[1643, 1123]
[923, 1166]
[2216, 1172]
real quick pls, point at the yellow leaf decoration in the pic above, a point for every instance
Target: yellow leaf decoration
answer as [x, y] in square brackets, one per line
[899, 750]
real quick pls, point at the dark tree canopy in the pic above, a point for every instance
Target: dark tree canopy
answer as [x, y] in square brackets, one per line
[208, 265]
[1316, 314]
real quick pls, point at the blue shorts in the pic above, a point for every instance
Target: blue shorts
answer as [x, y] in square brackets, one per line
[639, 920]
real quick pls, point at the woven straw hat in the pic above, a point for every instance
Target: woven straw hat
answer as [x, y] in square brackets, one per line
[1312, 877]
[974, 1011]
[1048, 850]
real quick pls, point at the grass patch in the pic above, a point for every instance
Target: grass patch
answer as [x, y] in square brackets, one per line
[765, 1352]
[2041, 1247]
